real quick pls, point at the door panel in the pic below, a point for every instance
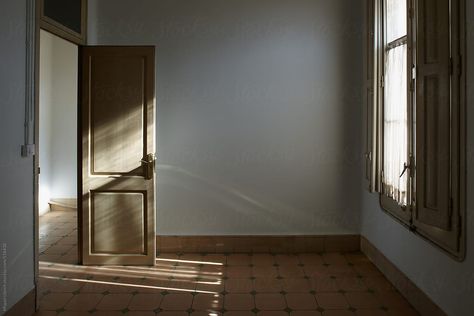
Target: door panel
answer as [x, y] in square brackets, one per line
[118, 222]
[117, 204]
[115, 133]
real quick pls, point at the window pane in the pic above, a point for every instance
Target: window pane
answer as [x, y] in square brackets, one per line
[67, 13]
[395, 124]
[396, 19]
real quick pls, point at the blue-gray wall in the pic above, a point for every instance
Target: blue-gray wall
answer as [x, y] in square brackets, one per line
[257, 111]
[16, 180]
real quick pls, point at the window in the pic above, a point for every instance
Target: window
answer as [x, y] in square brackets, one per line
[66, 19]
[415, 109]
[395, 105]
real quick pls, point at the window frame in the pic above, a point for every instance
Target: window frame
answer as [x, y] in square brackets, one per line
[401, 213]
[62, 31]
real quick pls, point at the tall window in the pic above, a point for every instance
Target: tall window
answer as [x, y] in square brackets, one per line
[415, 53]
[395, 123]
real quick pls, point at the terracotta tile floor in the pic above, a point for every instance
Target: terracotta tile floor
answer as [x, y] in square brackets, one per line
[327, 284]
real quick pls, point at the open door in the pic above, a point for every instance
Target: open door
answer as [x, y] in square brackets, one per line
[116, 198]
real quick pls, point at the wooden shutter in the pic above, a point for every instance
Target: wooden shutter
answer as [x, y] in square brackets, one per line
[370, 89]
[433, 115]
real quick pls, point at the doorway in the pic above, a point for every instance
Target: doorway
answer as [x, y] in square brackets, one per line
[58, 108]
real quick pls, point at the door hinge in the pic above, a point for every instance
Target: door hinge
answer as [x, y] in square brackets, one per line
[368, 156]
[39, 170]
[382, 81]
[451, 66]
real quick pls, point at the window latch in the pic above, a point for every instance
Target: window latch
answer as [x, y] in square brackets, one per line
[405, 168]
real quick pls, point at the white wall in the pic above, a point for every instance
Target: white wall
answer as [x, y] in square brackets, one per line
[257, 107]
[16, 180]
[447, 282]
[58, 119]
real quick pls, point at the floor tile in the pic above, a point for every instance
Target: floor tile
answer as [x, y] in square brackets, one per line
[239, 302]
[371, 312]
[272, 313]
[114, 302]
[301, 301]
[263, 259]
[239, 285]
[300, 285]
[145, 301]
[331, 300]
[263, 271]
[292, 271]
[270, 301]
[55, 301]
[83, 302]
[334, 258]
[392, 300]
[305, 313]
[174, 313]
[211, 302]
[239, 260]
[239, 313]
[140, 313]
[378, 283]
[342, 312]
[238, 272]
[351, 284]
[176, 302]
[324, 284]
[287, 260]
[268, 285]
[311, 259]
[362, 300]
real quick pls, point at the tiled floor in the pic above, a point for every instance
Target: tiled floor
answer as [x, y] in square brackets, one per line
[327, 284]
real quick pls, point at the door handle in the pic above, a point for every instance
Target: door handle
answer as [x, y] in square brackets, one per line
[148, 164]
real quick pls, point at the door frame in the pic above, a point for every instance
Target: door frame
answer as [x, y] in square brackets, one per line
[33, 75]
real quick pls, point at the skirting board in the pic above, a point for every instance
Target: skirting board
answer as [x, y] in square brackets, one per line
[256, 244]
[416, 297]
[24, 307]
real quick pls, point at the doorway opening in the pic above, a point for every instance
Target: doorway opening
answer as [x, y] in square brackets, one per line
[58, 108]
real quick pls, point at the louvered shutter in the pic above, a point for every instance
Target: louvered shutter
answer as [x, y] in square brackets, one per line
[433, 115]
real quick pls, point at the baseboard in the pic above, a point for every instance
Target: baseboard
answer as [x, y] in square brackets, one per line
[24, 307]
[414, 295]
[256, 244]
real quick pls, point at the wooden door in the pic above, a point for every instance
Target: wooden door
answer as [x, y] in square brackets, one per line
[117, 208]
